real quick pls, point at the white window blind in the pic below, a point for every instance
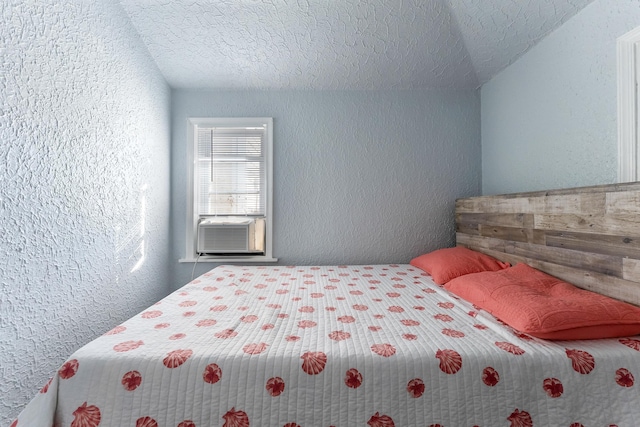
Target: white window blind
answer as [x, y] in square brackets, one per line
[231, 170]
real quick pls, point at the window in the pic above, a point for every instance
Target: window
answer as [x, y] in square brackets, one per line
[229, 212]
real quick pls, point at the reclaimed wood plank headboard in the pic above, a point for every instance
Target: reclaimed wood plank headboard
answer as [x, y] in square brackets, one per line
[588, 236]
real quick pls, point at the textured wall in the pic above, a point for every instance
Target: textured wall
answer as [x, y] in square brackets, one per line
[359, 176]
[84, 184]
[549, 120]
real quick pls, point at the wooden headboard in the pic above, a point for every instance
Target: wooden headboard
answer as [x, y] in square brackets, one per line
[587, 236]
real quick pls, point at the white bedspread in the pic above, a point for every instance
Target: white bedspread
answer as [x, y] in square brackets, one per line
[333, 346]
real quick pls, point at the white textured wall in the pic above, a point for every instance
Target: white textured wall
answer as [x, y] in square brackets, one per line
[359, 176]
[84, 182]
[549, 119]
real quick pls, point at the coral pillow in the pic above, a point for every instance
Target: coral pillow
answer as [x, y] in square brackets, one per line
[447, 264]
[546, 307]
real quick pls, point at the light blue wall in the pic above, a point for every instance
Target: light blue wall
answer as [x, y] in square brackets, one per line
[84, 184]
[549, 119]
[359, 176]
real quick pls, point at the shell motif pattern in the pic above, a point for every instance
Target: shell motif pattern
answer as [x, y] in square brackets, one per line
[631, 343]
[520, 419]
[624, 378]
[127, 346]
[410, 322]
[176, 358]
[235, 418]
[275, 386]
[151, 314]
[255, 348]
[131, 380]
[415, 388]
[146, 422]
[313, 362]
[511, 348]
[450, 361]
[581, 361]
[453, 333]
[346, 319]
[490, 376]
[353, 378]
[339, 335]
[69, 369]
[212, 374]
[206, 322]
[443, 317]
[384, 350]
[116, 330]
[307, 324]
[553, 387]
[378, 420]
[86, 416]
[227, 333]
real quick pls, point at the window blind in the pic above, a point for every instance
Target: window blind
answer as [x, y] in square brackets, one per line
[231, 170]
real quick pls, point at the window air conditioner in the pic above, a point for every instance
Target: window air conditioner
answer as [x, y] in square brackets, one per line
[231, 235]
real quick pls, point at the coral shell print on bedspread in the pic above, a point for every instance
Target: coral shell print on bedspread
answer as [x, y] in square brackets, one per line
[377, 346]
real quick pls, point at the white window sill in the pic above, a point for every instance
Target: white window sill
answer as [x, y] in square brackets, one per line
[223, 260]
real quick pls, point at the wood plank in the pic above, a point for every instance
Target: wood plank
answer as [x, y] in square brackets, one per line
[505, 220]
[556, 204]
[623, 203]
[481, 242]
[493, 205]
[468, 228]
[623, 246]
[605, 188]
[618, 225]
[631, 269]
[604, 264]
[507, 233]
[539, 237]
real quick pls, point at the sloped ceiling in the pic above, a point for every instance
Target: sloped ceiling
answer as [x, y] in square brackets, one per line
[341, 44]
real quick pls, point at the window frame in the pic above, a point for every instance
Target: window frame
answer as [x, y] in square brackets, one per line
[191, 214]
[628, 71]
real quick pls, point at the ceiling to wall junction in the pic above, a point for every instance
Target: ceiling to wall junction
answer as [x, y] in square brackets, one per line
[341, 44]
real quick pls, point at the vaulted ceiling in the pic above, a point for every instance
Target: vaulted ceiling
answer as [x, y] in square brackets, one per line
[341, 44]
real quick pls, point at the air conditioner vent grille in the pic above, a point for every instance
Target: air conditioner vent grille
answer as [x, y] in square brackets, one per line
[225, 239]
[222, 237]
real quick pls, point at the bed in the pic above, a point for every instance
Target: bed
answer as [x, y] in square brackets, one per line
[373, 345]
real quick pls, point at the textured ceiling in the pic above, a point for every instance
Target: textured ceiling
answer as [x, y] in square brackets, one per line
[341, 44]
[497, 32]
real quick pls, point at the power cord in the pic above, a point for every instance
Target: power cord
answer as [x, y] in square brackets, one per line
[194, 266]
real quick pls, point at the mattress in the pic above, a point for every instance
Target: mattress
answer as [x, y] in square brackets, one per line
[340, 346]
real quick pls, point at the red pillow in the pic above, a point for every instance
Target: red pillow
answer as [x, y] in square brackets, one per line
[447, 264]
[546, 307]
